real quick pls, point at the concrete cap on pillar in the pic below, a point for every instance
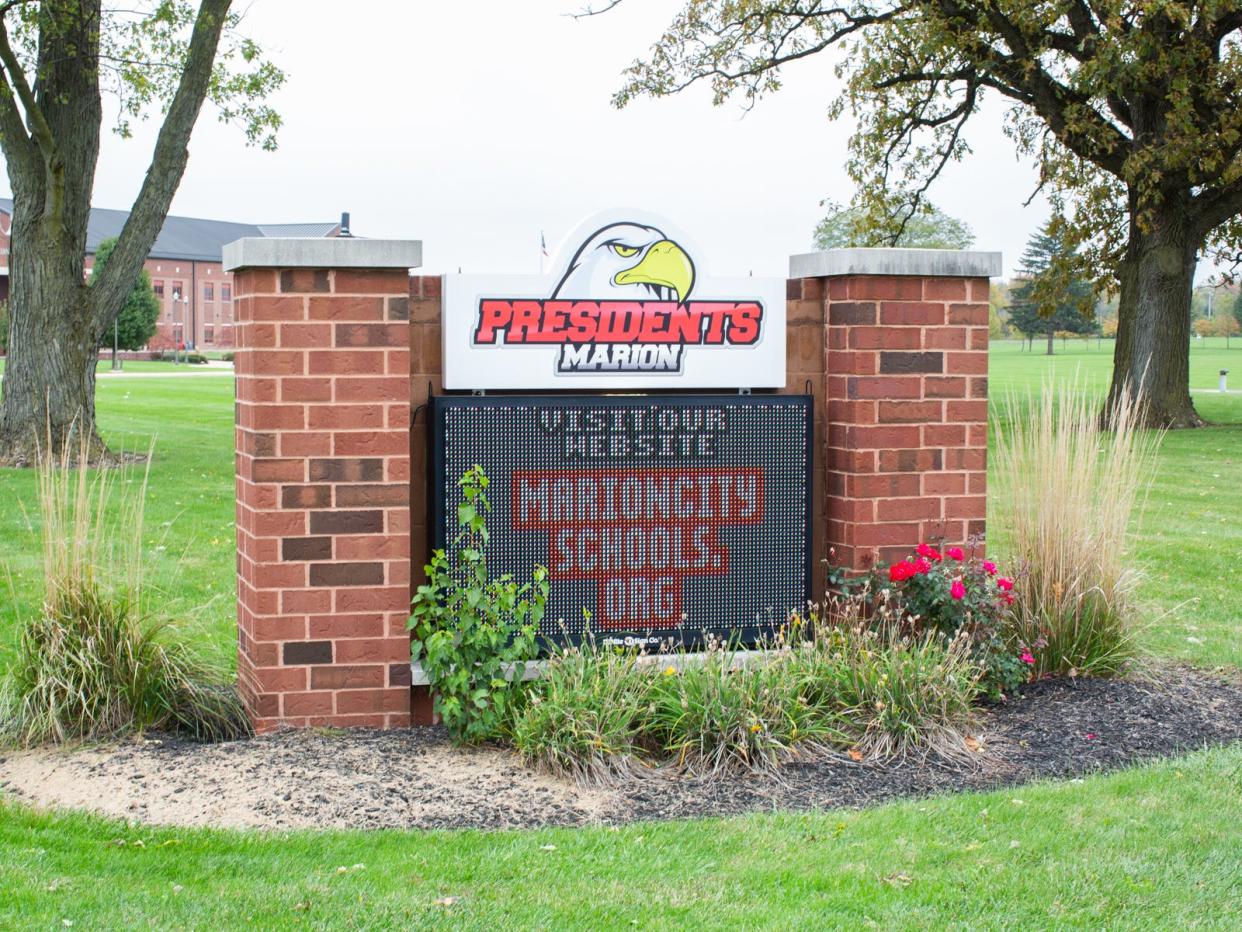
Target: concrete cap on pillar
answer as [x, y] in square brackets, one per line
[946, 263]
[331, 252]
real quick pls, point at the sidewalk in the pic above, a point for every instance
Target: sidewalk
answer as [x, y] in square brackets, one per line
[213, 367]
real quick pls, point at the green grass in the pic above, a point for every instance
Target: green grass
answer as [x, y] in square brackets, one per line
[1153, 847]
[189, 540]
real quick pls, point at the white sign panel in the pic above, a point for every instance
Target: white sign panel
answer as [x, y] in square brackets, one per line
[628, 304]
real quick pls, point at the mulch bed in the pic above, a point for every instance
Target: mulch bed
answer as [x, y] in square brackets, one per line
[1057, 728]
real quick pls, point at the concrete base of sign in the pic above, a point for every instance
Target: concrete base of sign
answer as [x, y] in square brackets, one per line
[533, 669]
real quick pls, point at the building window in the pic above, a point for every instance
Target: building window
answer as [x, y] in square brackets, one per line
[178, 290]
[208, 334]
[226, 292]
[158, 287]
[209, 292]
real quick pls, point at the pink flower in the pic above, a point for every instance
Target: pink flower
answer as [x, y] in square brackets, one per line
[1003, 583]
[989, 567]
[1027, 657]
[1007, 598]
[957, 589]
[1090, 736]
[955, 553]
[927, 550]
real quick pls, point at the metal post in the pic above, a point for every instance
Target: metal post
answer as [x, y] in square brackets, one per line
[116, 362]
[1223, 380]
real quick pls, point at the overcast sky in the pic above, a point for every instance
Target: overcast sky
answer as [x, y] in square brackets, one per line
[474, 131]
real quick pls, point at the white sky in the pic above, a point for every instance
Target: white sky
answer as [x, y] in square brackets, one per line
[472, 131]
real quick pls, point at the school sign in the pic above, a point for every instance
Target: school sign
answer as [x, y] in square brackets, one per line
[682, 449]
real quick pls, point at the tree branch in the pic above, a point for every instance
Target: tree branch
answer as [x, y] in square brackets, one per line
[167, 166]
[1212, 208]
[20, 151]
[39, 130]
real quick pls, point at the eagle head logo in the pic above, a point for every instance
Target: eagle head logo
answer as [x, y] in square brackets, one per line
[628, 262]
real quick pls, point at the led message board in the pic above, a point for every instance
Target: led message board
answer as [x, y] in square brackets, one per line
[663, 518]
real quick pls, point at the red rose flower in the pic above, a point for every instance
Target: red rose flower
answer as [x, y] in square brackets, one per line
[899, 572]
[957, 589]
[921, 567]
[927, 550]
[955, 553]
[1003, 583]
[989, 567]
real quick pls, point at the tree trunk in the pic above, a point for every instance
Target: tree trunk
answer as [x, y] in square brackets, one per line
[49, 376]
[1151, 360]
[1050, 335]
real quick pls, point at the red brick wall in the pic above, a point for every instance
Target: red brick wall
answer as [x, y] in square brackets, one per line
[323, 518]
[906, 448]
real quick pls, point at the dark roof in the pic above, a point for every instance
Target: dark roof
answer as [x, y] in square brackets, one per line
[188, 238]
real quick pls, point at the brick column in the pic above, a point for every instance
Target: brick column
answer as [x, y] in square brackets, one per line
[323, 469]
[426, 379]
[905, 344]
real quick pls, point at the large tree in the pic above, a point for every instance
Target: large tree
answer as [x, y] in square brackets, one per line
[58, 58]
[1130, 109]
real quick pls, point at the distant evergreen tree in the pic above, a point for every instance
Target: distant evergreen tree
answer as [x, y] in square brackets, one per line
[1044, 300]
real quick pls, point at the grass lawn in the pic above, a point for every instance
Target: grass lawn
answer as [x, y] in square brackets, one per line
[189, 539]
[1153, 847]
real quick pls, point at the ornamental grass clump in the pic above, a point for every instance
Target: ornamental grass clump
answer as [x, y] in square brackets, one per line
[93, 664]
[725, 711]
[581, 720]
[1067, 490]
[901, 695]
[598, 712]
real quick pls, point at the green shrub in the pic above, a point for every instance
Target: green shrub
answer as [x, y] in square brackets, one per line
[1064, 499]
[474, 633]
[957, 595]
[93, 665]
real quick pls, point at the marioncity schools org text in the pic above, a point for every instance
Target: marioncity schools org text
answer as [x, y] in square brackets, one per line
[629, 433]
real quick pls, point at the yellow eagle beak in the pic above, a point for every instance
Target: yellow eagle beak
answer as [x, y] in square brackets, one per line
[665, 264]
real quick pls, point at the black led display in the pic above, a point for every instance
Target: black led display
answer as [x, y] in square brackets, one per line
[660, 518]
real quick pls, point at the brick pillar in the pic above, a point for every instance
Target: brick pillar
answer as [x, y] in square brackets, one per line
[906, 399]
[323, 469]
[804, 369]
[426, 379]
